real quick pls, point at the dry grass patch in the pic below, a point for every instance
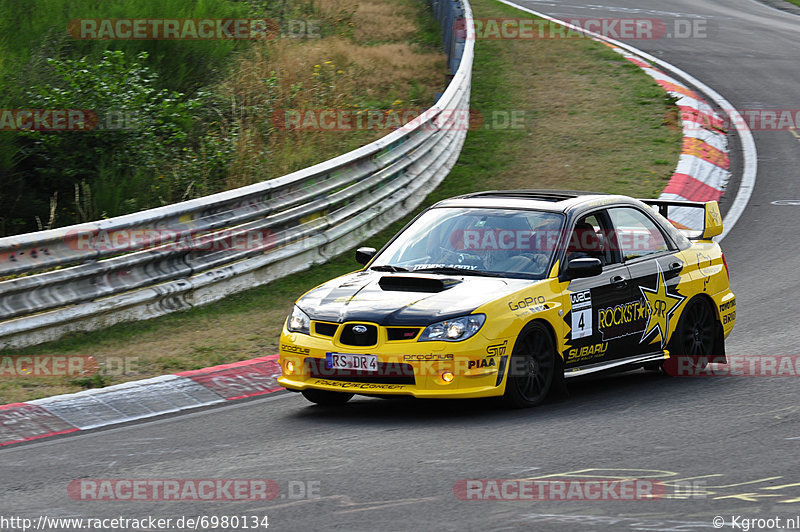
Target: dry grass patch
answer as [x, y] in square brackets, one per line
[374, 20]
[371, 61]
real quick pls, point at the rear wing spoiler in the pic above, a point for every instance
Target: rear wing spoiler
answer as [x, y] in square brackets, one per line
[697, 220]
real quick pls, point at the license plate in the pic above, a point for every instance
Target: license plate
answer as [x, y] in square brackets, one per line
[351, 361]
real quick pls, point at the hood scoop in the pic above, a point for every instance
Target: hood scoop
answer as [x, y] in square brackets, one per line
[413, 283]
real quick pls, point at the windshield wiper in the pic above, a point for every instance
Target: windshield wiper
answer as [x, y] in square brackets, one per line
[389, 268]
[458, 271]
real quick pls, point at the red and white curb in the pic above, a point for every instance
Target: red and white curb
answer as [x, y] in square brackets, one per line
[703, 169]
[137, 400]
[694, 178]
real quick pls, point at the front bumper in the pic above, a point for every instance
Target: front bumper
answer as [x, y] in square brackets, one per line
[406, 367]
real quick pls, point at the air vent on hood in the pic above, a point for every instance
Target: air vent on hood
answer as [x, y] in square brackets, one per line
[409, 283]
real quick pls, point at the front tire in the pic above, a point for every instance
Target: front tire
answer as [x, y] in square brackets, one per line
[531, 369]
[326, 398]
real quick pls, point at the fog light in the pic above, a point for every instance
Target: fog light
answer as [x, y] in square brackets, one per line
[448, 376]
[289, 367]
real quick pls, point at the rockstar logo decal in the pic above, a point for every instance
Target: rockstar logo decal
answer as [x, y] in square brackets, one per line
[662, 305]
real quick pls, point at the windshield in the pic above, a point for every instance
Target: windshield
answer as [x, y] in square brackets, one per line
[515, 243]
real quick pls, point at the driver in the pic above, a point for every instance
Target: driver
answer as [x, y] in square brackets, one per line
[445, 244]
[535, 257]
[485, 241]
[482, 243]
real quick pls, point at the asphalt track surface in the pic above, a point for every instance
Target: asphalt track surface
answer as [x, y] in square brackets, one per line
[392, 464]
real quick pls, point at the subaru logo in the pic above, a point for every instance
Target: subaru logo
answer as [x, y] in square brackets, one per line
[359, 329]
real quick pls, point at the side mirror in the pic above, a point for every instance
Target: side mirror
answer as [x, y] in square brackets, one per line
[580, 268]
[364, 255]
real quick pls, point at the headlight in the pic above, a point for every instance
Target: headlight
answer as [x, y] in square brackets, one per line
[299, 321]
[454, 330]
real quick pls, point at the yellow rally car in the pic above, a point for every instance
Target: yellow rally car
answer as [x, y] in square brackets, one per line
[509, 293]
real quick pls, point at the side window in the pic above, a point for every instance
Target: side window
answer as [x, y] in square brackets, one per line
[636, 234]
[590, 238]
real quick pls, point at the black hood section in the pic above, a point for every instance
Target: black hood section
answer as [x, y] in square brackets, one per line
[403, 299]
[416, 283]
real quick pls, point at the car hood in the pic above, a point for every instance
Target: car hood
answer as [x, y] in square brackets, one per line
[403, 298]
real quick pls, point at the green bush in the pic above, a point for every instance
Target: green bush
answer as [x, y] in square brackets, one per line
[148, 148]
[107, 175]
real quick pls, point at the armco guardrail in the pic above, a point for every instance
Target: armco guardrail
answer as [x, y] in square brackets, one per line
[150, 263]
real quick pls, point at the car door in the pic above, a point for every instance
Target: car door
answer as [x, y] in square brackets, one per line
[590, 339]
[655, 269]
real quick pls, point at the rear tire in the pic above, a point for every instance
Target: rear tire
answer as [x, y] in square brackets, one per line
[693, 344]
[531, 369]
[326, 398]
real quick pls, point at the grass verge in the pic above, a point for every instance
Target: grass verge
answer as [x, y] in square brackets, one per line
[590, 120]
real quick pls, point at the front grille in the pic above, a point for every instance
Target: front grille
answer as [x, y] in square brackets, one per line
[325, 329]
[402, 333]
[366, 338]
[388, 372]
